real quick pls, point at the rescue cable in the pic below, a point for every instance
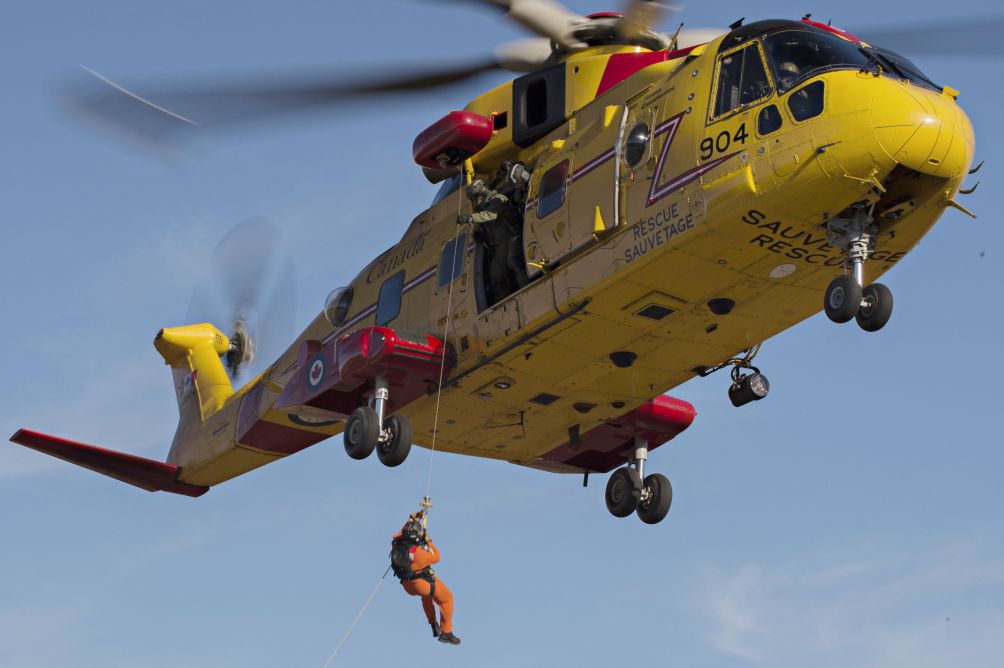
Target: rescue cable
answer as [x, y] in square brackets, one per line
[345, 636]
[442, 362]
[426, 503]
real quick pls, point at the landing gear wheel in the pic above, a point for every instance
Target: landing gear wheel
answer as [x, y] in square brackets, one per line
[623, 492]
[657, 496]
[843, 298]
[398, 444]
[876, 307]
[361, 432]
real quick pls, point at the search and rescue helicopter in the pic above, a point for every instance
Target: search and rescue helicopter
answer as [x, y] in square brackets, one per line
[683, 198]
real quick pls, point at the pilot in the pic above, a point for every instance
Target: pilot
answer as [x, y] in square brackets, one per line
[498, 222]
[787, 75]
[412, 555]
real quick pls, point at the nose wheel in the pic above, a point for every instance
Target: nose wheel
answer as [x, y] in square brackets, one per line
[847, 297]
[367, 430]
[629, 490]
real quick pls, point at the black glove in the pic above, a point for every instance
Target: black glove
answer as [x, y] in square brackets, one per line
[465, 219]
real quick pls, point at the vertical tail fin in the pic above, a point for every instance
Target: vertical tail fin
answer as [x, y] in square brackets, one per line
[200, 379]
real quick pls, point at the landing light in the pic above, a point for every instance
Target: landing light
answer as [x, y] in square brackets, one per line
[752, 387]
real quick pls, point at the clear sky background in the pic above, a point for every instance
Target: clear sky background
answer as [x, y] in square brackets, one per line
[851, 519]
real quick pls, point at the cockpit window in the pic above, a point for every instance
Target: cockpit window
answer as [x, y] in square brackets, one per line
[742, 80]
[796, 55]
[900, 66]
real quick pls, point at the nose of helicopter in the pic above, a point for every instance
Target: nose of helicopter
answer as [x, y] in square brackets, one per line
[923, 130]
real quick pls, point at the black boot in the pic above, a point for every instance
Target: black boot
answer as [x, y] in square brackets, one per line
[449, 638]
[435, 629]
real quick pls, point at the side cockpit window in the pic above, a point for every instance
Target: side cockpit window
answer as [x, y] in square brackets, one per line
[742, 80]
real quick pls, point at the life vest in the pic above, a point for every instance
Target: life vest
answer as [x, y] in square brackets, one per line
[400, 562]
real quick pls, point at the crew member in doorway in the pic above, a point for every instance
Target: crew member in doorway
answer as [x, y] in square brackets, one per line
[412, 556]
[499, 224]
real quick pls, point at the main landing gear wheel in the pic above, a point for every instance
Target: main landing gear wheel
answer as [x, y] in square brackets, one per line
[843, 298]
[362, 432]
[656, 498]
[876, 307]
[623, 492]
[395, 442]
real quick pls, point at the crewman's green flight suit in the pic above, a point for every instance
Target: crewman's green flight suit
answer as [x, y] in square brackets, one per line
[500, 224]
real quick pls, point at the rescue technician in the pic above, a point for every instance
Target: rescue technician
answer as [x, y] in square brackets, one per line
[412, 555]
[498, 223]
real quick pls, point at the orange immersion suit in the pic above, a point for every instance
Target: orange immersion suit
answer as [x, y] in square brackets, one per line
[422, 557]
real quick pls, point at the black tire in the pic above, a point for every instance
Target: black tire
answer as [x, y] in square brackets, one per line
[876, 307]
[623, 492]
[397, 447]
[842, 299]
[659, 498]
[361, 433]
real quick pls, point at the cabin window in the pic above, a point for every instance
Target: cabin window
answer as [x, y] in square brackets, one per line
[389, 304]
[637, 144]
[552, 189]
[807, 102]
[337, 305]
[768, 120]
[742, 80]
[451, 262]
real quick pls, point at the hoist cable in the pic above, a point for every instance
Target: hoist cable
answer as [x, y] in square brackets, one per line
[358, 616]
[446, 332]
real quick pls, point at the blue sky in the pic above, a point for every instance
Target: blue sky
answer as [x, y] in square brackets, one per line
[852, 518]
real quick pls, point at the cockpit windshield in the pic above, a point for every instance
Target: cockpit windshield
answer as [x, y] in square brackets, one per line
[902, 67]
[796, 55]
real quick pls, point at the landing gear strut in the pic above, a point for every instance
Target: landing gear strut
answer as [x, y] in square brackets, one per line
[847, 296]
[368, 429]
[629, 490]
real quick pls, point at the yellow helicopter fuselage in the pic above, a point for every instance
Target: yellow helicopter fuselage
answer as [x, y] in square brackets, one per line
[665, 231]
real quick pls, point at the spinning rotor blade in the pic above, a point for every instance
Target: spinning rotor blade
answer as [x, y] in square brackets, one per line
[546, 18]
[157, 114]
[695, 36]
[954, 37]
[640, 16]
[525, 55]
[249, 290]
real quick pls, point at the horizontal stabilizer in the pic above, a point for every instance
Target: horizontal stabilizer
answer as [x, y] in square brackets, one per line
[153, 476]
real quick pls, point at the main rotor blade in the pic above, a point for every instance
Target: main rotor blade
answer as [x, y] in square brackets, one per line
[953, 37]
[158, 113]
[546, 18]
[640, 16]
[525, 55]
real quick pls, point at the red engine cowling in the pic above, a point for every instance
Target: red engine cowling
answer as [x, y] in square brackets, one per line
[451, 140]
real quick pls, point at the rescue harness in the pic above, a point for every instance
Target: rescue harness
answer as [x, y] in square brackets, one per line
[400, 563]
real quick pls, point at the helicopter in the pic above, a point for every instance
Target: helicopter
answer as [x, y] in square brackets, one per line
[683, 199]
